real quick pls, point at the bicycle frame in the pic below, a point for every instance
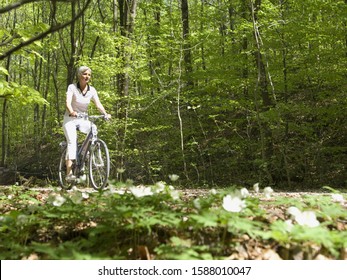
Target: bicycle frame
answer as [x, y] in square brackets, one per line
[82, 151]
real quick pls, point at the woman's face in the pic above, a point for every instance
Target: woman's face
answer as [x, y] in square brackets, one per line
[86, 76]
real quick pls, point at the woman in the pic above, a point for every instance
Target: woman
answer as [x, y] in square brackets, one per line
[78, 97]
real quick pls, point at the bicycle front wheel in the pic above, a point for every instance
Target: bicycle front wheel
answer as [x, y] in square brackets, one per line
[99, 164]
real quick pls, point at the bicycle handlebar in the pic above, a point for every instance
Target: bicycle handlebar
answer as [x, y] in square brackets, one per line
[85, 116]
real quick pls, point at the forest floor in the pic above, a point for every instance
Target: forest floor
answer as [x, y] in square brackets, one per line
[247, 248]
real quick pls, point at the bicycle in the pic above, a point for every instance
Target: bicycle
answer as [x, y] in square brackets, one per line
[92, 159]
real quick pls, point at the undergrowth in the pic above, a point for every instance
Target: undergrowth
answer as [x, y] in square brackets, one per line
[159, 222]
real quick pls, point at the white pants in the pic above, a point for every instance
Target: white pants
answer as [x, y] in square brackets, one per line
[70, 124]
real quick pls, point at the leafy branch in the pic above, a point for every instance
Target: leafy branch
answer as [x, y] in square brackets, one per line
[51, 30]
[16, 5]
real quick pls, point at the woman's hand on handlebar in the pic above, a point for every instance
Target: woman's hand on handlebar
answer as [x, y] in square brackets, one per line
[107, 117]
[73, 114]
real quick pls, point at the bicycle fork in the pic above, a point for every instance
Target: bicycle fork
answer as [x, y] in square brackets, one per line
[82, 154]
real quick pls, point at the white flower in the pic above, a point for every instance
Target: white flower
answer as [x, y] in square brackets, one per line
[175, 195]
[141, 191]
[233, 203]
[112, 190]
[244, 193]
[256, 187]
[85, 195]
[120, 192]
[159, 187]
[213, 191]
[294, 211]
[268, 191]
[82, 178]
[336, 197]
[173, 177]
[73, 189]
[196, 203]
[307, 218]
[58, 201]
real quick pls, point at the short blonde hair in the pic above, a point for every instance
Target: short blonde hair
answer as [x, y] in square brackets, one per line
[81, 70]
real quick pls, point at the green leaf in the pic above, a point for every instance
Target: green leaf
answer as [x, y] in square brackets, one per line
[3, 71]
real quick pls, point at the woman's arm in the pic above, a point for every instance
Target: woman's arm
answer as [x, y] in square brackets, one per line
[69, 108]
[101, 108]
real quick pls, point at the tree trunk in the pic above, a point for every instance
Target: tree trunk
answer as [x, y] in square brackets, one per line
[187, 57]
[123, 20]
[71, 63]
[245, 12]
[127, 15]
[4, 133]
[346, 32]
[262, 88]
[4, 121]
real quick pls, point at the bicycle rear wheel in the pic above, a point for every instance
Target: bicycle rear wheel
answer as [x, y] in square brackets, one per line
[62, 172]
[99, 165]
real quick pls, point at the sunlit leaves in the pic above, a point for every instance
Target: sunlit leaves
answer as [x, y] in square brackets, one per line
[21, 93]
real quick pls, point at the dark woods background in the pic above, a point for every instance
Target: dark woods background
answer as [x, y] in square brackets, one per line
[219, 92]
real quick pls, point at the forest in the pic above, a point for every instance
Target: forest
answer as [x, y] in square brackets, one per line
[219, 92]
[227, 138]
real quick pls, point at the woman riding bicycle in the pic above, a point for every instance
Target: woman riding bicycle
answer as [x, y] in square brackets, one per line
[78, 97]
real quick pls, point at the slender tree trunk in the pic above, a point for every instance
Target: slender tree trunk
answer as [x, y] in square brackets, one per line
[262, 88]
[56, 90]
[232, 13]
[245, 12]
[202, 27]
[187, 56]
[285, 81]
[346, 32]
[127, 16]
[123, 20]
[71, 63]
[4, 133]
[45, 93]
[179, 115]
[154, 64]
[4, 129]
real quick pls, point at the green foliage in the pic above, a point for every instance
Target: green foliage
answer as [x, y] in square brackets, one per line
[21, 94]
[207, 122]
[125, 220]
